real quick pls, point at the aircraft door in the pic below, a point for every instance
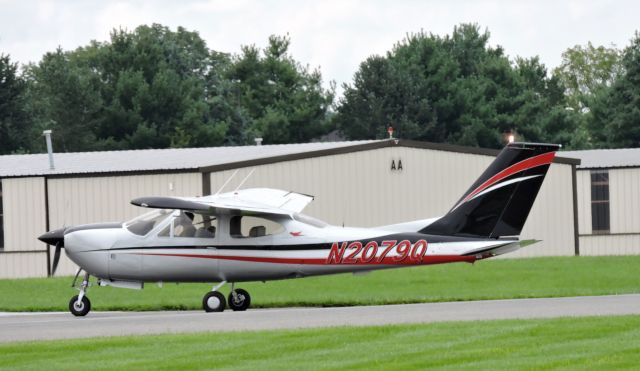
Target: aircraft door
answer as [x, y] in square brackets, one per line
[182, 243]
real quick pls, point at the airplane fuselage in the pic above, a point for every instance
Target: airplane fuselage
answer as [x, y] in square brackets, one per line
[112, 252]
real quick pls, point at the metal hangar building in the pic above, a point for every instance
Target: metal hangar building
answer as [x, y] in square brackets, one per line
[608, 201]
[358, 183]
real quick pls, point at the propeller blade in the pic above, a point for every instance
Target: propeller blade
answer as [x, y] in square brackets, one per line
[56, 258]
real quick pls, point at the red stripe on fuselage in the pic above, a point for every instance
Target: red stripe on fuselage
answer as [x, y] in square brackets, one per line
[427, 259]
[539, 160]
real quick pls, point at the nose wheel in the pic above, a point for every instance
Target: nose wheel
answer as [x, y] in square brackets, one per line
[79, 308]
[214, 301]
[80, 304]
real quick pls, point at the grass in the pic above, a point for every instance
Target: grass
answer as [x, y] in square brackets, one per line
[489, 279]
[576, 343]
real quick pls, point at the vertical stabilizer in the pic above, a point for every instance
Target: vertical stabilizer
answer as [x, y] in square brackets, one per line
[498, 203]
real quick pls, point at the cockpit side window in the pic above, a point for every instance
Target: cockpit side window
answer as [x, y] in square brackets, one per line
[146, 222]
[190, 225]
[251, 226]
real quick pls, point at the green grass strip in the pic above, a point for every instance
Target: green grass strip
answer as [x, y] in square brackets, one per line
[488, 279]
[567, 343]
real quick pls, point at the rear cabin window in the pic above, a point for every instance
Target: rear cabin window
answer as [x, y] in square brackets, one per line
[251, 227]
[191, 225]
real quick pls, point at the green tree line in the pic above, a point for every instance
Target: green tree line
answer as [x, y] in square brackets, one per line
[156, 88]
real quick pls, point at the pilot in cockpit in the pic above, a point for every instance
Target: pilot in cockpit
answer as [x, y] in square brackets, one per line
[184, 225]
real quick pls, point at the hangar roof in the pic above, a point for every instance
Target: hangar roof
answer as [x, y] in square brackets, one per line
[606, 158]
[151, 159]
[200, 159]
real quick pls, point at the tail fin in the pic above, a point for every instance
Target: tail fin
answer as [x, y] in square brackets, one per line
[498, 203]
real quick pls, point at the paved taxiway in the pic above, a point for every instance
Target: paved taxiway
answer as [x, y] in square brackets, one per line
[41, 326]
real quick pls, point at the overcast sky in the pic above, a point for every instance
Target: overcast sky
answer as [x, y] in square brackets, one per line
[332, 35]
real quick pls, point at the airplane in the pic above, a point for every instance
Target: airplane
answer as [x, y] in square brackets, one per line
[260, 234]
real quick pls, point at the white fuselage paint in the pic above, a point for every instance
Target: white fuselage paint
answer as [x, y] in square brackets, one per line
[300, 250]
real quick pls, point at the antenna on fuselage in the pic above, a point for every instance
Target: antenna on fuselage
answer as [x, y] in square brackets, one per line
[245, 179]
[227, 182]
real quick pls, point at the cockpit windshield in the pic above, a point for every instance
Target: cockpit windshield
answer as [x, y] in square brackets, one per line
[144, 223]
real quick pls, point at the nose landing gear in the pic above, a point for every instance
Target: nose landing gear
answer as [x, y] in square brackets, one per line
[80, 305]
[214, 301]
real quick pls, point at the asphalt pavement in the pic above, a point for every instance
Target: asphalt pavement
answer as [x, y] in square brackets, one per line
[47, 326]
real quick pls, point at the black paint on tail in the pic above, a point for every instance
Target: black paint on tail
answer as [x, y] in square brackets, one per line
[498, 203]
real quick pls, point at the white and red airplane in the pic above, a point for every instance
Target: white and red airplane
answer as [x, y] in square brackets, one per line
[259, 234]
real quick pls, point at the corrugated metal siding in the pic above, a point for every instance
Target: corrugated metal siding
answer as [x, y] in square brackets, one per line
[610, 244]
[24, 220]
[551, 218]
[624, 203]
[360, 189]
[74, 201]
[583, 185]
[624, 200]
[23, 265]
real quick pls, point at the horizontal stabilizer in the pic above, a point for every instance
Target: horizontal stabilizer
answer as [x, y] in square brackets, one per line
[501, 249]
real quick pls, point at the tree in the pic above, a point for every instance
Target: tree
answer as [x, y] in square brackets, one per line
[15, 125]
[587, 69]
[150, 88]
[276, 98]
[616, 116]
[158, 88]
[454, 89]
[65, 98]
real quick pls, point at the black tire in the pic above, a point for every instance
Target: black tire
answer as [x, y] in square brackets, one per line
[82, 308]
[243, 300]
[213, 301]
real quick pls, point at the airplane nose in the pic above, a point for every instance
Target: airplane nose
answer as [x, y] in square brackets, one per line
[53, 237]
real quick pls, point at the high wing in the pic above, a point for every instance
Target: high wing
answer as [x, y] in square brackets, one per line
[245, 202]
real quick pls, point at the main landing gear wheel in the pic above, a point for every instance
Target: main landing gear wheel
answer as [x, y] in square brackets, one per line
[213, 301]
[239, 300]
[79, 308]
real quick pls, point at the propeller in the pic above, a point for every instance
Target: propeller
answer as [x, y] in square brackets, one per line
[56, 257]
[55, 238]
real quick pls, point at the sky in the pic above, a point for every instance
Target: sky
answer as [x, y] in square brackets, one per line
[332, 35]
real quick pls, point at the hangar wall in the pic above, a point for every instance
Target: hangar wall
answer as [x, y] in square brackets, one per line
[552, 217]
[23, 203]
[361, 189]
[624, 203]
